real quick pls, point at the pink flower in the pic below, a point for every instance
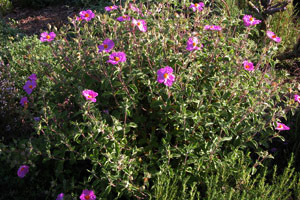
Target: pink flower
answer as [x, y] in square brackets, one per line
[133, 8]
[165, 75]
[32, 77]
[282, 127]
[60, 196]
[117, 57]
[250, 21]
[272, 36]
[297, 98]
[29, 86]
[192, 44]
[110, 8]
[123, 18]
[86, 15]
[45, 37]
[141, 24]
[78, 18]
[197, 6]
[24, 101]
[90, 95]
[107, 45]
[23, 170]
[248, 65]
[87, 195]
[212, 27]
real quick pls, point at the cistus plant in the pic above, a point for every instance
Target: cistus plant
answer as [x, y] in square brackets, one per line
[127, 125]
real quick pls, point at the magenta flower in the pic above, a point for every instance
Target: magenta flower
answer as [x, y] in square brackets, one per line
[165, 75]
[90, 95]
[24, 101]
[123, 18]
[297, 98]
[272, 36]
[250, 21]
[86, 15]
[248, 65]
[23, 170]
[32, 77]
[141, 24]
[212, 27]
[87, 195]
[107, 45]
[78, 18]
[29, 86]
[282, 127]
[197, 6]
[110, 8]
[60, 196]
[117, 57]
[45, 37]
[192, 44]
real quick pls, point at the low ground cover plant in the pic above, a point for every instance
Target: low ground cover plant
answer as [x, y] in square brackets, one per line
[144, 101]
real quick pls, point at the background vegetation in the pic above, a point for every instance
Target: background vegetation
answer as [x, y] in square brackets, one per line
[209, 136]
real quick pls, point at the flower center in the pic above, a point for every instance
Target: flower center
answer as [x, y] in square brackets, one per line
[196, 5]
[30, 86]
[247, 66]
[117, 59]
[280, 126]
[87, 197]
[86, 15]
[166, 75]
[124, 17]
[22, 169]
[105, 46]
[211, 27]
[194, 44]
[110, 7]
[298, 98]
[273, 36]
[48, 37]
[90, 97]
[251, 19]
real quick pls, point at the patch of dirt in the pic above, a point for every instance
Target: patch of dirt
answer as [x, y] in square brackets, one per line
[33, 21]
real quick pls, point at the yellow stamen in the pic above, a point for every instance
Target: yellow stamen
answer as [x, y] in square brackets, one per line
[110, 7]
[90, 97]
[48, 37]
[280, 126]
[166, 75]
[251, 19]
[117, 59]
[139, 23]
[124, 17]
[196, 5]
[247, 66]
[86, 15]
[194, 44]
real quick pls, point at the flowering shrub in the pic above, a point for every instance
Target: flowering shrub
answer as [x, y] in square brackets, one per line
[207, 109]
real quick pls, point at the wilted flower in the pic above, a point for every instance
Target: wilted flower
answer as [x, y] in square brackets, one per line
[32, 77]
[29, 86]
[117, 57]
[90, 95]
[272, 36]
[250, 21]
[165, 75]
[297, 98]
[123, 18]
[60, 196]
[86, 15]
[192, 44]
[110, 8]
[23, 170]
[87, 195]
[141, 24]
[24, 101]
[197, 6]
[212, 27]
[248, 65]
[282, 127]
[107, 45]
[45, 37]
